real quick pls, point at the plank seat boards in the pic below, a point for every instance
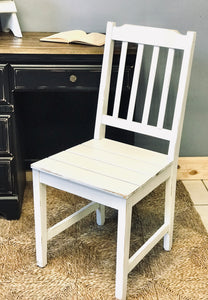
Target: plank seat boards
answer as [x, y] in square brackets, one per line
[106, 164]
[115, 174]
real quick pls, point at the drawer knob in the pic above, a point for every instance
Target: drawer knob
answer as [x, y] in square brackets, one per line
[73, 78]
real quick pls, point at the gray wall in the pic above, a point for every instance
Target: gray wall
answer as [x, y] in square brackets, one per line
[92, 15]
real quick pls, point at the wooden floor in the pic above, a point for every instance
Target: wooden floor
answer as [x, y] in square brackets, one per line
[198, 190]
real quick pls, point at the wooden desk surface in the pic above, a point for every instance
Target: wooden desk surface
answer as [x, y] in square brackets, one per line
[30, 44]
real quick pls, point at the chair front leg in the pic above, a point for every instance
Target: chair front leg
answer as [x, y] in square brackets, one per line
[39, 195]
[123, 244]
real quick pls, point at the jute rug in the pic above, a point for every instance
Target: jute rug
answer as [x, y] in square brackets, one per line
[81, 260]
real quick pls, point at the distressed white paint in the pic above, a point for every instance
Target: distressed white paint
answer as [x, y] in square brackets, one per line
[114, 174]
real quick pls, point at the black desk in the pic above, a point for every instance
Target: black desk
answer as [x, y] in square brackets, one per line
[48, 99]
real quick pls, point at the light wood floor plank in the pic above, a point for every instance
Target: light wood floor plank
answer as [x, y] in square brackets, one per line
[206, 183]
[192, 168]
[203, 212]
[197, 191]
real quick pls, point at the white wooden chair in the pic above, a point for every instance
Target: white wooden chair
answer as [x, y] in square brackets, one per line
[115, 174]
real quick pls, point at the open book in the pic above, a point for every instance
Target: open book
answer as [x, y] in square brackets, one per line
[76, 36]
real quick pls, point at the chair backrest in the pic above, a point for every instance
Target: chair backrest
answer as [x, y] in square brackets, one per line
[159, 40]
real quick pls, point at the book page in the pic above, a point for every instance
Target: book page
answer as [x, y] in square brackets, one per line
[76, 36]
[95, 38]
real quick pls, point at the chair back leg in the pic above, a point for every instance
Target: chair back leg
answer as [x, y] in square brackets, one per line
[170, 191]
[100, 215]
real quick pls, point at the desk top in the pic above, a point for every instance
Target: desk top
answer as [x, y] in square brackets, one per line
[30, 44]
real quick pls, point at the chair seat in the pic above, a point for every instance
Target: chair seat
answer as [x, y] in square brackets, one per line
[105, 164]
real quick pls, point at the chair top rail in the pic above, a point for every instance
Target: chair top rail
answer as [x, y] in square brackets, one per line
[151, 36]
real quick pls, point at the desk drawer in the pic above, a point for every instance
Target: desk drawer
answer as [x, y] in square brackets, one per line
[56, 77]
[1, 84]
[62, 77]
[6, 185]
[4, 134]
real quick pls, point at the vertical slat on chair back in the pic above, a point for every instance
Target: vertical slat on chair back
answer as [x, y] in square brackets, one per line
[157, 39]
[166, 85]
